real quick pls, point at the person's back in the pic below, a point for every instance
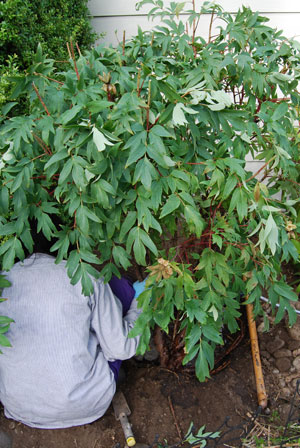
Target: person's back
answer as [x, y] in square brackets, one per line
[56, 374]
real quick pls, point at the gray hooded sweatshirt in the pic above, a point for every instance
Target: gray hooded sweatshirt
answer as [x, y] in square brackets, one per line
[56, 373]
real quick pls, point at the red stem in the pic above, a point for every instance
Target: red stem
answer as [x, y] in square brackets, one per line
[40, 98]
[74, 60]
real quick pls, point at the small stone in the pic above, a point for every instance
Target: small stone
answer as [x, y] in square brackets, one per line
[276, 371]
[275, 345]
[282, 383]
[296, 363]
[296, 352]
[283, 334]
[283, 364]
[294, 331]
[261, 327]
[285, 392]
[282, 353]
[293, 345]
[266, 362]
[12, 425]
[289, 378]
[293, 369]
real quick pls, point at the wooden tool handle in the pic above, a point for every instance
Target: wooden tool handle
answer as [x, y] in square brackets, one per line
[130, 440]
[260, 385]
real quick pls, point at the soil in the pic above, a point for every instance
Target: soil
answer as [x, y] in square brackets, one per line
[164, 403]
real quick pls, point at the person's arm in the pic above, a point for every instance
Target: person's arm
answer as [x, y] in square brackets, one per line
[109, 325]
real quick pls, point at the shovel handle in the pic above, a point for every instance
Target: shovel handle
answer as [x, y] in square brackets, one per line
[130, 440]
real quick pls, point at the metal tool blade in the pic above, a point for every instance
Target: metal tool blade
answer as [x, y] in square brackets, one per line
[120, 405]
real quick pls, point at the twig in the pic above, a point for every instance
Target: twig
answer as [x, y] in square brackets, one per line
[78, 49]
[70, 56]
[138, 82]
[47, 77]
[210, 25]
[43, 145]
[40, 98]
[148, 104]
[174, 417]
[257, 172]
[96, 443]
[74, 60]
[123, 45]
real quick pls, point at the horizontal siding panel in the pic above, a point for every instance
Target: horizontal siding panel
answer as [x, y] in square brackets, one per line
[289, 23]
[100, 8]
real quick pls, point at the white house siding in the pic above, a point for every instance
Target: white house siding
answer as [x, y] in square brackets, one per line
[113, 17]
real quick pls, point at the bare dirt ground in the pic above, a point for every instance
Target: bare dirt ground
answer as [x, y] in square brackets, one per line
[163, 404]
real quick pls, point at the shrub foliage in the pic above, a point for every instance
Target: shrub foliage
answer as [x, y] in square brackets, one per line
[23, 25]
[141, 149]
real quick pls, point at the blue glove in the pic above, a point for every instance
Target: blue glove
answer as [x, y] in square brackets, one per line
[139, 287]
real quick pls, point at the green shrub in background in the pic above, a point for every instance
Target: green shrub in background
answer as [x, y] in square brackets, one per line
[140, 150]
[25, 24]
[6, 71]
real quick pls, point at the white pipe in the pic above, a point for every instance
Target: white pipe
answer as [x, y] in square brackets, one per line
[277, 304]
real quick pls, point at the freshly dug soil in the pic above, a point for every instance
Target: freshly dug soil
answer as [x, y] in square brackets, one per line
[164, 403]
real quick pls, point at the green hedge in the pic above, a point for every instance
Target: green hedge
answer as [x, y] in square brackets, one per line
[26, 23]
[23, 24]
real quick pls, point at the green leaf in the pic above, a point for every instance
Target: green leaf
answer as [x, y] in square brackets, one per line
[280, 111]
[65, 172]
[201, 366]
[98, 106]
[162, 319]
[178, 115]
[100, 140]
[4, 283]
[212, 334]
[4, 200]
[284, 290]
[7, 107]
[193, 337]
[121, 257]
[193, 217]
[148, 242]
[127, 224]
[17, 182]
[139, 251]
[190, 354]
[172, 204]
[5, 320]
[70, 114]
[160, 131]
[56, 158]
[271, 234]
[136, 153]
[4, 341]
[229, 186]
[106, 186]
